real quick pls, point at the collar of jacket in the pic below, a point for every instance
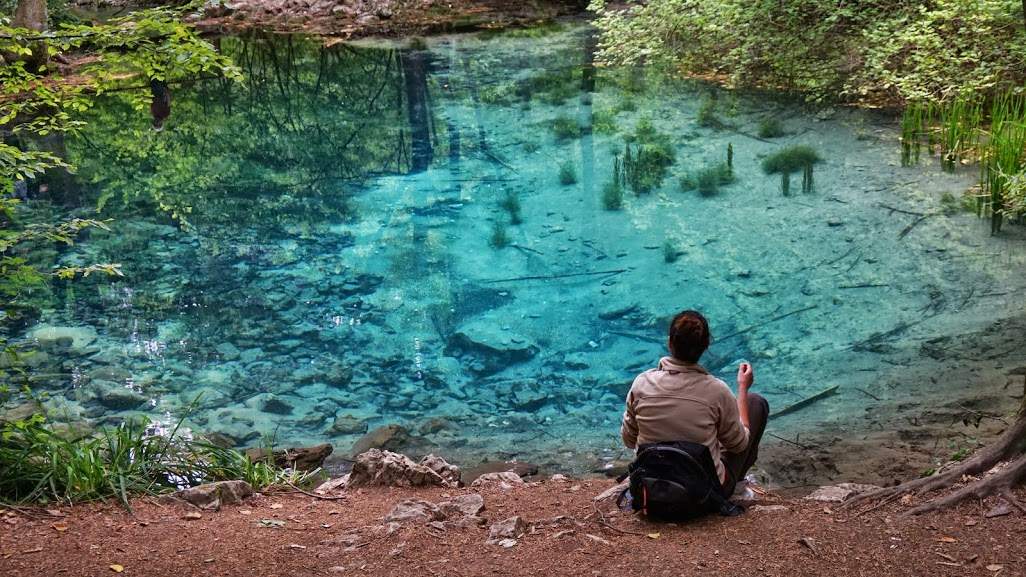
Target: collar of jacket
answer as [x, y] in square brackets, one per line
[672, 365]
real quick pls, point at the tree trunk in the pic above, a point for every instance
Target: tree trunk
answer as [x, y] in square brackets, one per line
[32, 14]
[415, 72]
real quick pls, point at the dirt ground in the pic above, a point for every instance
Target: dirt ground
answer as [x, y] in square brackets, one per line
[293, 534]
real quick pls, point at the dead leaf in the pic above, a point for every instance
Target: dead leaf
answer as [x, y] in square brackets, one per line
[597, 539]
[60, 526]
[36, 550]
[296, 546]
[810, 543]
[971, 522]
[946, 539]
[245, 512]
[277, 506]
[117, 568]
[995, 567]
[55, 513]
[272, 523]
[654, 535]
[192, 515]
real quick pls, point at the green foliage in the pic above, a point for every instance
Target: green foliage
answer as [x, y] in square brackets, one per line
[565, 128]
[709, 179]
[567, 173]
[771, 127]
[612, 195]
[789, 160]
[38, 465]
[646, 162]
[604, 122]
[880, 51]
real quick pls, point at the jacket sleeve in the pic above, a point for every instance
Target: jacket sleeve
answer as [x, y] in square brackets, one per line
[629, 425]
[732, 435]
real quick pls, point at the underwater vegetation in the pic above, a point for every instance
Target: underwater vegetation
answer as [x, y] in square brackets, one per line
[612, 195]
[604, 122]
[531, 147]
[670, 251]
[500, 238]
[567, 173]
[565, 128]
[709, 179]
[789, 160]
[511, 204]
[707, 116]
[956, 129]
[647, 157]
[771, 128]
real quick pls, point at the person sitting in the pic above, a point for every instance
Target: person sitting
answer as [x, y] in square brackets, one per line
[679, 401]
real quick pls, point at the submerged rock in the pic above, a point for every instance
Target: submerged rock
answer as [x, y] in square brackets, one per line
[69, 339]
[494, 346]
[387, 438]
[390, 469]
[347, 425]
[117, 397]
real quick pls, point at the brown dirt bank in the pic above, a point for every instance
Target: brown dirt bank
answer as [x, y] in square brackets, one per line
[389, 18]
[347, 537]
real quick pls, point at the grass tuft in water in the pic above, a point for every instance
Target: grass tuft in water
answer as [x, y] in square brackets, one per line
[500, 238]
[565, 128]
[511, 204]
[789, 160]
[531, 147]
[646, 161]
[604, 122]
[612, 195]
[670, 251]
[567, 173]
[707, 116]
[771, 128]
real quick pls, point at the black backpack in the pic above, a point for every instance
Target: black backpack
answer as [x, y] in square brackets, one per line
[676, 481]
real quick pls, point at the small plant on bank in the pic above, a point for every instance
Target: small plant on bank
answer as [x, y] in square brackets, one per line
[500, 238]
[567, 173]
[790, 160]
[565, 128]
[612, 195]
[771, 128]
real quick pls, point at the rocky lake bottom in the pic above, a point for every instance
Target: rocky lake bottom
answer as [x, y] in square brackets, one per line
[415, 240]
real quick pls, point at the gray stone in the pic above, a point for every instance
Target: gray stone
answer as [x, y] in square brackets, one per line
[347, 425]
[839, 493]
[118, 397]
[463, 506]
[376, 467]
[69, 339]
[511, 528]
[505, 480]
[387, 438]
[414, 510]
[228, 351]
[451, 473]
[211, 496]
[769, 509]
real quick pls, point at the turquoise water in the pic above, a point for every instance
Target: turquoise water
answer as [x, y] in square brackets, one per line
[372, 234]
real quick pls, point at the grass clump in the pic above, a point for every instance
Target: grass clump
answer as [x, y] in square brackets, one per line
[670, 251]
[565, 128]
[612, 195]
[604, 122]
[771, 128]
[707, 116]
[710, 178]
[790, 160]
[500, 238]
[567, 173]
[511, 204]
[38, 465]
[647, 157]
[531, 147]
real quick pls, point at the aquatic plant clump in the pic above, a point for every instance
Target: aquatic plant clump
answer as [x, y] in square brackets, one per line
[647, 157]
[500, 238]
[511, 204]
[789, 160]
[771, 128]
[707, 115]
[670, 251]
[567, 173]
[565, 128]
[612, 195]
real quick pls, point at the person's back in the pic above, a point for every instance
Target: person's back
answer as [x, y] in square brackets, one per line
[680, 401]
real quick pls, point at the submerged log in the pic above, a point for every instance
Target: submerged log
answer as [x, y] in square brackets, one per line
[805, 402]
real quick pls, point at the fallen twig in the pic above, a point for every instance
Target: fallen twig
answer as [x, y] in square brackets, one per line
[766, 322]
[556, 276]
[829, 391]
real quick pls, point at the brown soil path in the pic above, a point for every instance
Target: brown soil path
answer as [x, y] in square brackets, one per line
[295, 535]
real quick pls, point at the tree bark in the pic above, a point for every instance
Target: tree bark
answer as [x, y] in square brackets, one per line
[32, 14]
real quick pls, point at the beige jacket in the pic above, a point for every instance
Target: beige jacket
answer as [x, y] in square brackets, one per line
[683, 402]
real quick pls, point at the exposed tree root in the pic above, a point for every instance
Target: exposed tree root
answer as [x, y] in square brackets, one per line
[1010, 447]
